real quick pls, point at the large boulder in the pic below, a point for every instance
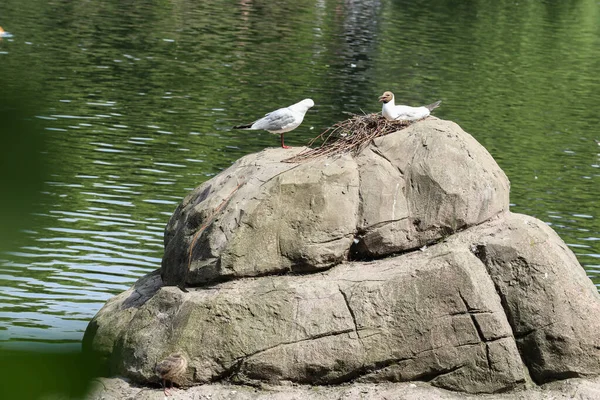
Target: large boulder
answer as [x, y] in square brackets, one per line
[438, 315]
[262, 216]
[476, 299]
[549, 301]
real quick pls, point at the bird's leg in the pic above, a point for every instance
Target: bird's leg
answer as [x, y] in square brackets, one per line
[282, 144]
[166, 392]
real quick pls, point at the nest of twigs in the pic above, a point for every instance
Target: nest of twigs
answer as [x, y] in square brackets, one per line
[351, 135]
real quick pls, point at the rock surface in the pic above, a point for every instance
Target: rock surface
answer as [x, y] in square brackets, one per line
[117, 389]
[262, 216]
[551, 304]
[480, 300]
[432, 315]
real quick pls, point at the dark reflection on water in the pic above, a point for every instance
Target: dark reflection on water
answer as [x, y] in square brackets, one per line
[139, 98]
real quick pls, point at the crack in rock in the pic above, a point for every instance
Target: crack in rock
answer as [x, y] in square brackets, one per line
[433, 375]
[488, 356]
[479, 250]
[335, 239]
[371, 228]
[473, 319]
[377, 151]
[347, 301]
[528, 332]
[312, 337]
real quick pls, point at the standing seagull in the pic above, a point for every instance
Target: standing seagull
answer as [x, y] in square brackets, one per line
[282, 120]
[393, 112]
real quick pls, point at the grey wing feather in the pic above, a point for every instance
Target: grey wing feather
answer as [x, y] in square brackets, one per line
[275, 120]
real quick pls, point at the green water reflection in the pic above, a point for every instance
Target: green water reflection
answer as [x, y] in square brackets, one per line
[136, 101]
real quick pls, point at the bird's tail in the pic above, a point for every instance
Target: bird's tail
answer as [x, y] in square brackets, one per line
[433, 106]
[247, 126]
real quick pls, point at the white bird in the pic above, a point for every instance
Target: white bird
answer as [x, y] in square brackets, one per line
[282, 120]
[393, 112]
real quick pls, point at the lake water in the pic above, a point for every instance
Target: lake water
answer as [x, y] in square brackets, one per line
[135, 101]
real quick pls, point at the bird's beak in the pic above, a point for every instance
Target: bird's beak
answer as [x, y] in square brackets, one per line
[381, 98]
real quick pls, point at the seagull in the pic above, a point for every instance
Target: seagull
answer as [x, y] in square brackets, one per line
[171, 369]
[282, 120]
[393, 112]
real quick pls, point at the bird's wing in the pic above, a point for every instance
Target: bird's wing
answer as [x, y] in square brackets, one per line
[276, 120]
[407, 112]
[162, 368]
[401, 111]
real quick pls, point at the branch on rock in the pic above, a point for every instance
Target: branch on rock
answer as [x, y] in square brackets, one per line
[351, 135]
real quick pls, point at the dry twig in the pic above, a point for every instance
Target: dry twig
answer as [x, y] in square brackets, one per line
[351, 135]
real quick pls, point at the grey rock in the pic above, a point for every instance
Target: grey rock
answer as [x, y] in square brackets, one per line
[262, 216]
[424, 183]
[551, 304]
[118, 389]
[439, 315]
[107, 326]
